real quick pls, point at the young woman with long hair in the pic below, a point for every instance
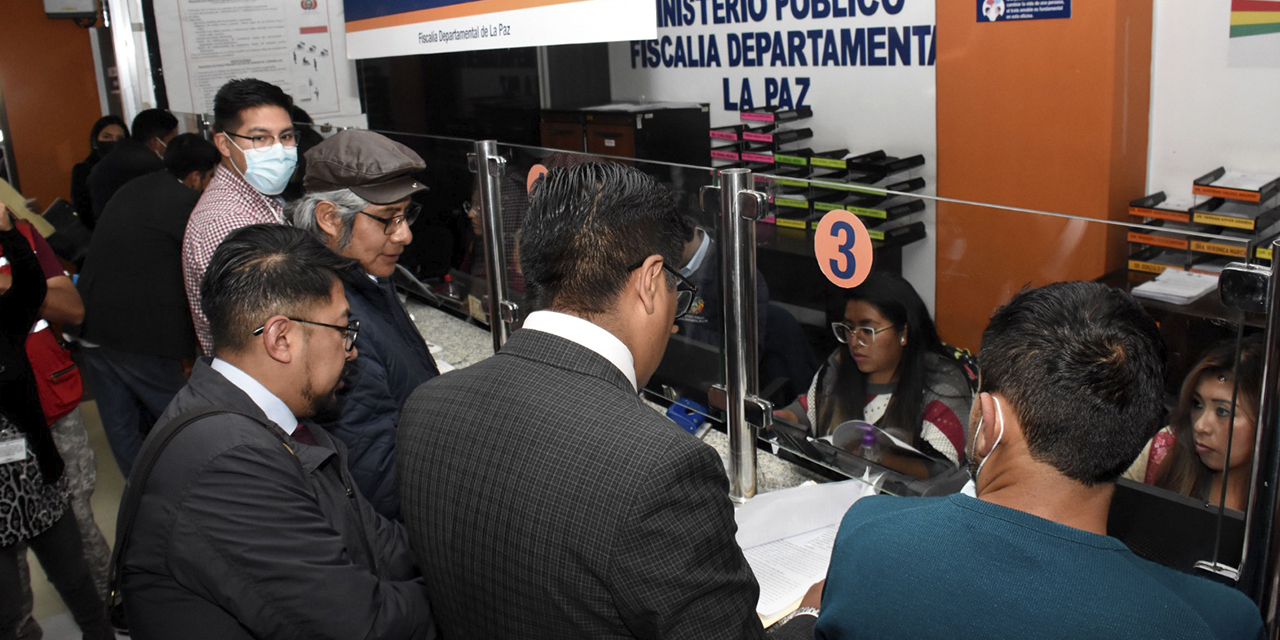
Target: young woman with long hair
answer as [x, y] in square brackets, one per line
[1209, 442]
[893, 371]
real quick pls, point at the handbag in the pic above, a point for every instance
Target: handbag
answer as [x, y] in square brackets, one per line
[58, 378]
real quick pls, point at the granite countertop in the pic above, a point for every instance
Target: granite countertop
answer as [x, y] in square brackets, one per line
[457, 343]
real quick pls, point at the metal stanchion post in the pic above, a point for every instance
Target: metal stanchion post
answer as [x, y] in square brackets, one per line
[739, 209]
[489, 167]
[1260, 564]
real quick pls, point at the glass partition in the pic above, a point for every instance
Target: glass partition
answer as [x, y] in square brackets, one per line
[836, 412]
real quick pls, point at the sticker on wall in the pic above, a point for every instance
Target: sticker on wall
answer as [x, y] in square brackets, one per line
[843, 248]
[1012, 10]
[535, 172]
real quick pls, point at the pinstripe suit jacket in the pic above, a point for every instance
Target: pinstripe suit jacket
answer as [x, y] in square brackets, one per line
[545, 500]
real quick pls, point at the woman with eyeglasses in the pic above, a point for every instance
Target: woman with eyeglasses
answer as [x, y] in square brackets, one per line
[892, 371]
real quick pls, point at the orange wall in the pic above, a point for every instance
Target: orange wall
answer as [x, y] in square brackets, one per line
[46, 73]
[1048, 115]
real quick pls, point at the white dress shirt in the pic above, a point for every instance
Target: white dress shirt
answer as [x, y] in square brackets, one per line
[275, 408]
[587, 334]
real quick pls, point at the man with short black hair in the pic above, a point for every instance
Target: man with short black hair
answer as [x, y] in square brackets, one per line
[139, 154]
[255, 136]
[1071, 390]
[137, 329]
[543, 497]
[248, 524]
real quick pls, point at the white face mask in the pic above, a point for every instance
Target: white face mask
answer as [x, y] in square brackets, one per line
[268, 170]
[971, 487]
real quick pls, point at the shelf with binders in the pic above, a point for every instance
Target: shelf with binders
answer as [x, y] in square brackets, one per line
[1238, 228]
[1158, 206]
[1235, 185]
[1233, 214]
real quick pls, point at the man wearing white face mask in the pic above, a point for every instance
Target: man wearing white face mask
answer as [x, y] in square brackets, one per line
[255, 135]
[1071, 390]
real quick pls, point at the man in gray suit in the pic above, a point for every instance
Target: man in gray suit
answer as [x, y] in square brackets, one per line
[543, 498]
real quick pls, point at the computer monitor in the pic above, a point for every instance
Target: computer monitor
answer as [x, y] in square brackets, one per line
[1172, 529]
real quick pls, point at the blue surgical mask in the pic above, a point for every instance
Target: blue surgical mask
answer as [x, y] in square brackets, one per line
[268, 170]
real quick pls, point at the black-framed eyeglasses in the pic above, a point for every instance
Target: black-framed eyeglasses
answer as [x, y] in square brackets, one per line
[865, 335]
[265, 141]
[349, 332]
[392, 224]
[685, 290]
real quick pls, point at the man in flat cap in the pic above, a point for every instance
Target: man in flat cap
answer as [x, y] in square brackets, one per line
[357, 202]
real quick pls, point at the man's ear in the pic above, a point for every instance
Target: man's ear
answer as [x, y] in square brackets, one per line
[985, 435]
[647, 280]
[223, 143]
[329, 219]
[278, 337]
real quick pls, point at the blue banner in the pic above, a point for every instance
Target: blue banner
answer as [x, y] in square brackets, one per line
[1011, 10]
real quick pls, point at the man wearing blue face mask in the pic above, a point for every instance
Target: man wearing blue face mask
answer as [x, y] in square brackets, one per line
[259, 145]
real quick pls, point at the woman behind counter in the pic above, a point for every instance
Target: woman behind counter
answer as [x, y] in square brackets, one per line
[1193, 455]
[893, 372]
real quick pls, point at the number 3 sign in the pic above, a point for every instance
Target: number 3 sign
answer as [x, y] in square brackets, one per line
[843, 248]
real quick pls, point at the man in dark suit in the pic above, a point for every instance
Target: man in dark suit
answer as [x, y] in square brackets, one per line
[137, 328]
[543, 498]
[248, 524]
[139, 154]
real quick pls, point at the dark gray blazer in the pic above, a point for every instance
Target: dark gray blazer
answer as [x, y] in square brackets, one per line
[232, 541]
[545, 500]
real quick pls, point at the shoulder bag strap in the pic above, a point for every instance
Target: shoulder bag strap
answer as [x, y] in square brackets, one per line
[138, 480]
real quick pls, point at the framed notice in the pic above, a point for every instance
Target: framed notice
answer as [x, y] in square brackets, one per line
[296, 44]
[408, 27]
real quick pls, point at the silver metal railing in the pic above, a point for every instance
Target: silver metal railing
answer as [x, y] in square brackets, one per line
[489, 168]
[745, 411]
[1257, 289]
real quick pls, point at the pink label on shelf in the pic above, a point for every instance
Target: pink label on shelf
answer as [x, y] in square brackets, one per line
[724, 135]
[757, 137]
[724, 155]
[757, 157]
[758, 117]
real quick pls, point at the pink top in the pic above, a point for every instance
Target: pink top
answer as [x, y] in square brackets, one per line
[226, 205]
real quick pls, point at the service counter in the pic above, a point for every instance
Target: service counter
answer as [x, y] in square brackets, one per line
[457, 343]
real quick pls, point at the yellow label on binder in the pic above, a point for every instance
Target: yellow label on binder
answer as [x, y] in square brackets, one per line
[790, 223]
[830, 163]
[869, 213]
[1220, 249]
[1263, 253]
[789, 202]
[1149, 267]
[1224, 221]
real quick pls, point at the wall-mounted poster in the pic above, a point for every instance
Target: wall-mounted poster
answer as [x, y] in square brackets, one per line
[408, 27]
[1255, 34]
[296, 44]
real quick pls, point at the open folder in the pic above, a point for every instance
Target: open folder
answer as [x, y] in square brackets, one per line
[787, 538]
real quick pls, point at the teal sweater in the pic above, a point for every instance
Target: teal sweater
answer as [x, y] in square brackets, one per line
[958, 567]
